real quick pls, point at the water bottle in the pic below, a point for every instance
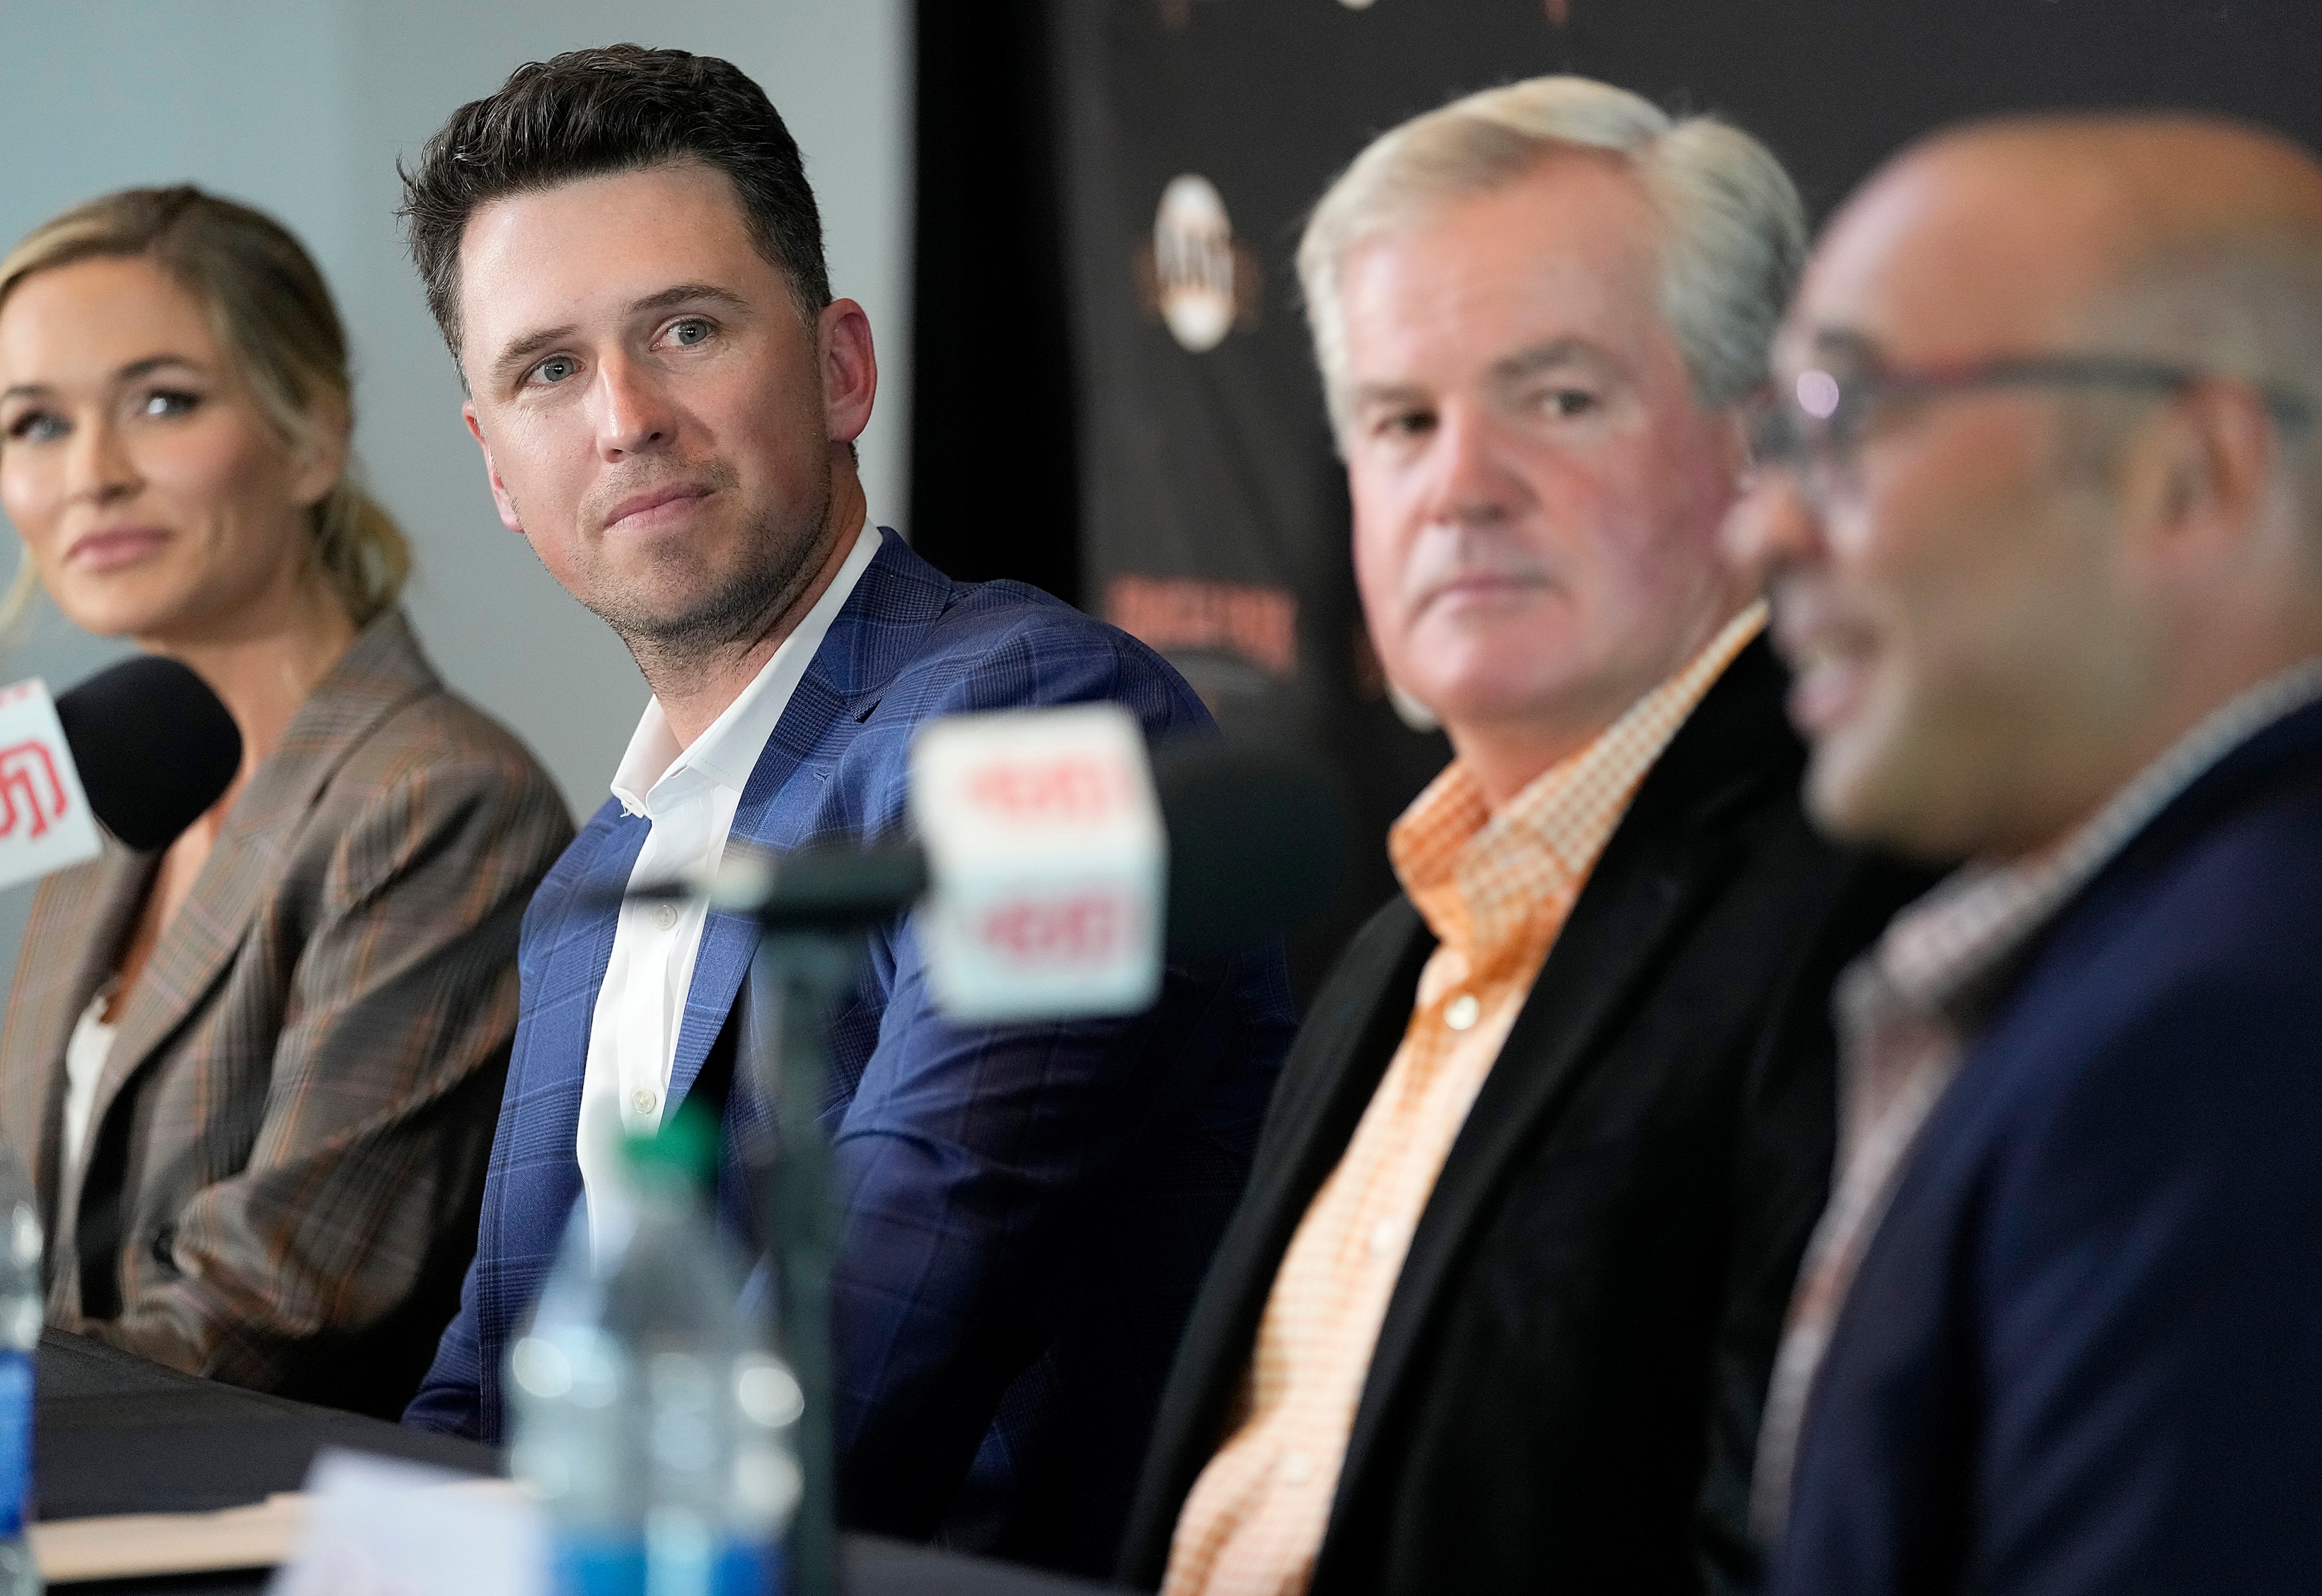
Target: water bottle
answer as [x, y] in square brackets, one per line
[651, 1422]
[20, 1334]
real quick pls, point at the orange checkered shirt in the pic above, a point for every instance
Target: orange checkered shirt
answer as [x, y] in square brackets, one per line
[1495, 889]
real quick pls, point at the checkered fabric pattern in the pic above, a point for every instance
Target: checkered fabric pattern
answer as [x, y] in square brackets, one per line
[1495, 889]
[1026, 1210]
[1904, 1010]
[295, 1115]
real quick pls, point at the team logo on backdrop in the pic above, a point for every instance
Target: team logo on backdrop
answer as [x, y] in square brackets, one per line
[1194, 275]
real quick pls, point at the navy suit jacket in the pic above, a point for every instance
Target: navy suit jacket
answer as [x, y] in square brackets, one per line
[1026, 1211]
[2084, 1349]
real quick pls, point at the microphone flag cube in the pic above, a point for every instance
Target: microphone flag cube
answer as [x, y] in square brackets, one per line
[45, 820]
[1049, 858]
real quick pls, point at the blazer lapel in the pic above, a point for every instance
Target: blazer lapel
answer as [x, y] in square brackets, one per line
[383, 670]
[1342, 1050]
[769, 816]
[1668, 855]
[878, 628]
[1356, 1025]
[1352, 1036]
[78, 922]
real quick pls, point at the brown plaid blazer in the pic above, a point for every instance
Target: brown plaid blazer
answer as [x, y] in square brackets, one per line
[285, 1155]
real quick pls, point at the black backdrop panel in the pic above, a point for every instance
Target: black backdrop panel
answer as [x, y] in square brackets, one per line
[1175, 146]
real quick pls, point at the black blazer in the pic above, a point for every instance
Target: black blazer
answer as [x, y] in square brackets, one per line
[2081, 1352]
[1573, 1361]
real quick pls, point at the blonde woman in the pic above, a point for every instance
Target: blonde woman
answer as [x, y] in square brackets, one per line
[254, 1074]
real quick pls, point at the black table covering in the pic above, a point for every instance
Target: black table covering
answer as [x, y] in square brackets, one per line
[119, 1435]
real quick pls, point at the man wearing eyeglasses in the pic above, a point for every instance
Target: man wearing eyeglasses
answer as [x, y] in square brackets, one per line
[1497, 1310]
[2041, 510]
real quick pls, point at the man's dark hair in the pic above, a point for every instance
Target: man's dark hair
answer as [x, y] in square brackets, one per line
[592, 113]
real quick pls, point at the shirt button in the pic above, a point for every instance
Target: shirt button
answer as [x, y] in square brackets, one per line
[1462, 1012]
[643, 1101]
[1382, 1236]
[1297, 1468]
[664, 915]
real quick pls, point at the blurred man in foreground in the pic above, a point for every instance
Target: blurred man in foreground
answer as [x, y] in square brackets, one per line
[624, 255]
[1532, 1194]
[2046, 547]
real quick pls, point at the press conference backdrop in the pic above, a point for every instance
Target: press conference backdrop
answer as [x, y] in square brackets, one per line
[1177, 146]
[301, 107]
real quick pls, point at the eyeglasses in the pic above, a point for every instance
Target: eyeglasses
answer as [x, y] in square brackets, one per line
[1815, 428]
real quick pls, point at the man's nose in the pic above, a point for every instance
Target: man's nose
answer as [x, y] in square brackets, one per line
[1469, 479]
[1773, 524]
[633, 414]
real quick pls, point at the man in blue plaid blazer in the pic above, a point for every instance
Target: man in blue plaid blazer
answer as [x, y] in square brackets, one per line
[623, 255]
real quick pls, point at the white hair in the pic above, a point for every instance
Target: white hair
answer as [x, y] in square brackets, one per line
[1734, 231]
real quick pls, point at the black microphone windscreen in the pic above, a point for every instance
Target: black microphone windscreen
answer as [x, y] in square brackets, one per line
[153, 745]
[1258, 843]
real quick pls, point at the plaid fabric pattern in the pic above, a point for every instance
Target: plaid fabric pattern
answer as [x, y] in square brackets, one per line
[1904, 1011]
[1026, 1210]
[298, 1096]
[1496, 890]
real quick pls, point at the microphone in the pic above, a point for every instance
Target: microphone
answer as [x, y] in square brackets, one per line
[1059, 867]
[154, 746]
[144, 747]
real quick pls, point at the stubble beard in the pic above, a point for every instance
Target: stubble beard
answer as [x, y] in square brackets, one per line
[729, 619]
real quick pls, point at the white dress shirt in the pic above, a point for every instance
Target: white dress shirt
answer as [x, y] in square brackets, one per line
[689, 795]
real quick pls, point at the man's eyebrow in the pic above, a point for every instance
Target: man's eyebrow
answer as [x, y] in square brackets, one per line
[1842, 339]
[1386, 393]
[690, 293]
[1555, 352]
[521, 352]
[523, 349]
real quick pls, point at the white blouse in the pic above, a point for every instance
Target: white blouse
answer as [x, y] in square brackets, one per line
[85, 1055]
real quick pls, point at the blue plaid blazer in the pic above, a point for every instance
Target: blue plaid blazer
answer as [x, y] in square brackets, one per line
[1026, 1211]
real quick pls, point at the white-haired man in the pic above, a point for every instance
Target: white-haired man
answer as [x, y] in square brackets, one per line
[1498, 1308]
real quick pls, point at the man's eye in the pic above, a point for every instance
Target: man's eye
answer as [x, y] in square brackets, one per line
[1407, 424]
[555, 369]
[166, 402]
[1567, 402]
[36, 426]
[689, 333]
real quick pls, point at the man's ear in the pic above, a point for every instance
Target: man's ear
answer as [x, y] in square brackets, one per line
[2199, 483]
[850, 370]
[502, 500]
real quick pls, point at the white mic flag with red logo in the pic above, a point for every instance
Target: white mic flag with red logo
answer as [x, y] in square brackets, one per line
[45, 822]
[1046, 847]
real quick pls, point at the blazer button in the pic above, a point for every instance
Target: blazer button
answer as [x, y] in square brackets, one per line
[164, 1241]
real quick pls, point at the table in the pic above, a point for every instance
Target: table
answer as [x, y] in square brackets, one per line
[119, 1435]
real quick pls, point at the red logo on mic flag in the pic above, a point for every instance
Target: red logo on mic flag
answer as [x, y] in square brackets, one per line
[45, 823]
[1063, 789]
[1085, 929]
[30, 793]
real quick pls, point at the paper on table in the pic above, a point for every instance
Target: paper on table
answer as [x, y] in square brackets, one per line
[362, 1523]
[132, 1545]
